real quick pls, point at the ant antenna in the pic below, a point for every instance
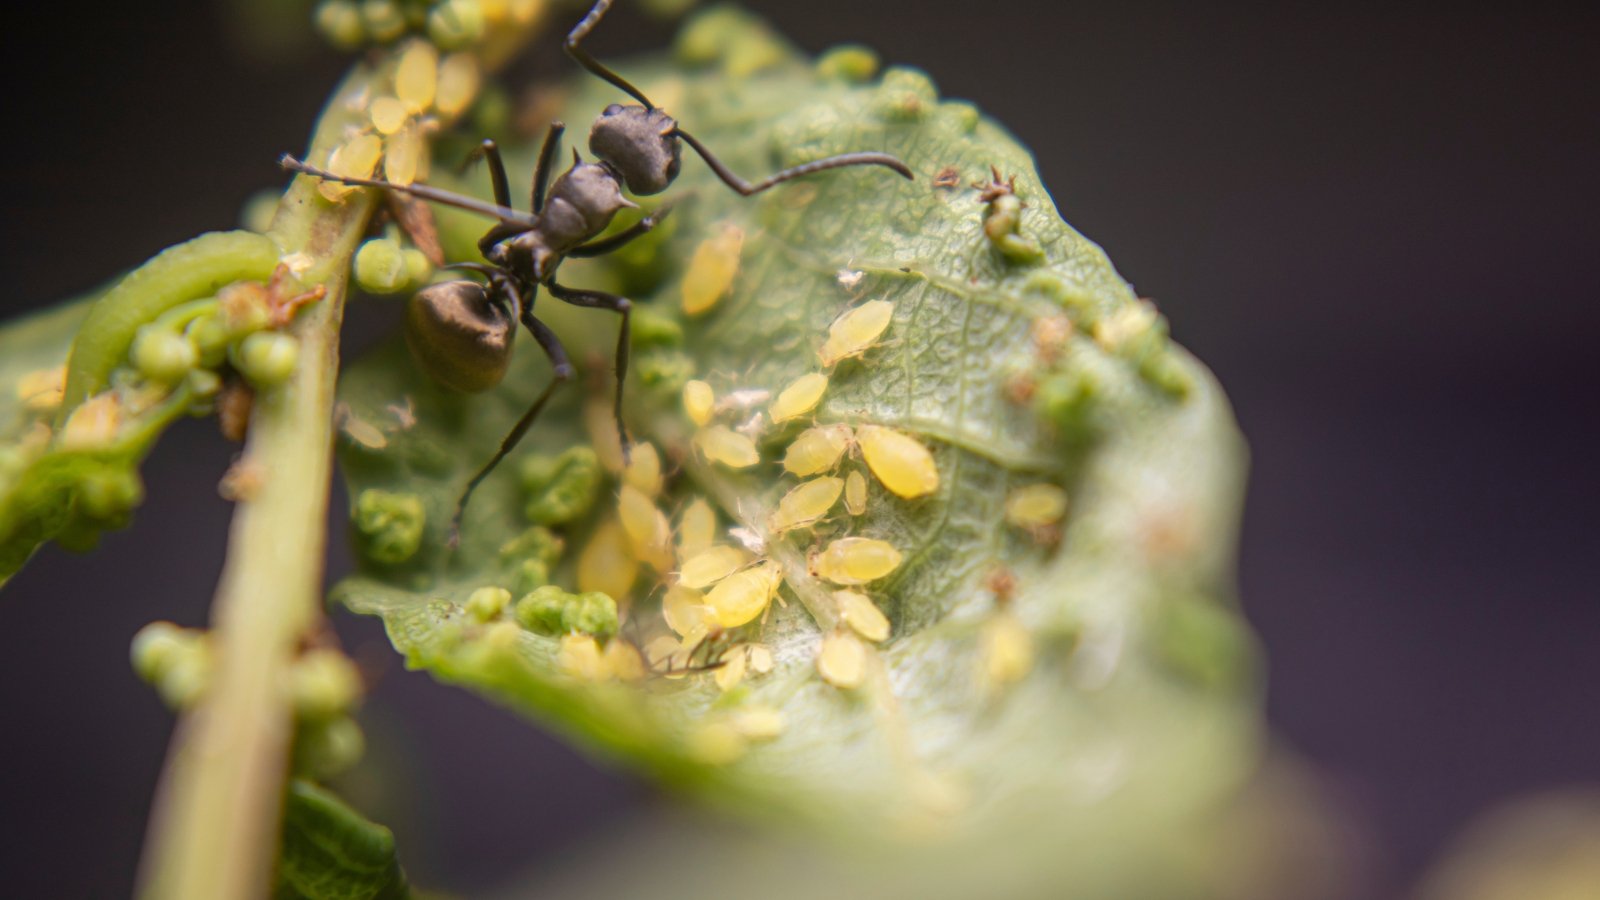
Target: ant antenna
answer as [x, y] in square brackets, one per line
[448, 198]
[833, 162]
[582, 57]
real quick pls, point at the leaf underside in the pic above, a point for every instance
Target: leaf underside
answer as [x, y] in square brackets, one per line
[1140, 706]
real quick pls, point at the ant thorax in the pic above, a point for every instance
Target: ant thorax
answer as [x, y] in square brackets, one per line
[582, 203]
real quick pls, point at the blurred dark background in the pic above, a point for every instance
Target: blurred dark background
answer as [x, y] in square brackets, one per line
[1375, 225]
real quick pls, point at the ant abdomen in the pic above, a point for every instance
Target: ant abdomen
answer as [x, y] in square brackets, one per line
[459, 336]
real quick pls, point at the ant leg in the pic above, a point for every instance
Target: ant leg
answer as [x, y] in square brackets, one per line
[541, 172]
[460, 201]
[602, 300]
[563, 373]
[616, 241]
[579, 55]
[833, 162]
[497, 172]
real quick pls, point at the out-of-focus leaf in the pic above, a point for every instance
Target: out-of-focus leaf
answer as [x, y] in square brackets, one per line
[72, 430]
[331, 852]
[1139, 707]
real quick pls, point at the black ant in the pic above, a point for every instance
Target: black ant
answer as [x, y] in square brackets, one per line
[461, 331]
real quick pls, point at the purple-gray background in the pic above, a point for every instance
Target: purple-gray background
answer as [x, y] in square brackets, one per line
[1376, 225]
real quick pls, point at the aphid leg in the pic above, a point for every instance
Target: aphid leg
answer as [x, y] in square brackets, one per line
[497, 172]
[460, 201]
[602, 300]
[616, 241]
[547, 153]
[581, 56]
[833, 162]
[563, 373]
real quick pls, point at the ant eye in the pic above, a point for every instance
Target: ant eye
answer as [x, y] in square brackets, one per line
[612, 110]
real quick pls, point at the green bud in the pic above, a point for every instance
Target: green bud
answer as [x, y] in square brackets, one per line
[906, 95]
[203, 384]
[391, 525]
[530, 575]
[667, 370]
[324, 683]
[456, 24]
[262, 206]
[592, 613]
[108, 494]
[418, 268]
[383, 19]
[654, 328]
[185, 673]
[542, 610]
[267, 358]
[156, 646]
[562, 488]
[1067, 398]
[340, 24]
[324, 749]
[488, 603]
[162, 356]
[380, 267]
[537, 543]
[848, 62]
[210, 337]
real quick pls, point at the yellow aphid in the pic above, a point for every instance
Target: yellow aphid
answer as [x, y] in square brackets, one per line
[721, 444]
[525, 11]
[600, 421]
[659, 650]
[42, 389]
[742, 596]
[607, 562]
[648, 532]
[366, 434]
[697, 529]
[416, 78]
[817, 449]
[899, 461]
[388, 114]
[856, 560]
[404, 154]
[698, 401]
[807, 503]
[1006, 649]
[760, 659]
[759, 723]
[623, 661]
[711, 269]
[853, 333]
[716, 744]
[842, 661]
[355, 159]
[858, 611]
[1124, 326]
[711, 565]
[644, 469]
[799, 398]
[1036, 506]
[731, 672]
[685, 609]
[459, 79]
[580, 658]
[94, 424]
[855, 493]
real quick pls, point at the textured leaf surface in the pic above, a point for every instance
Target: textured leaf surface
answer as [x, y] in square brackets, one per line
[1138, 707]
[330, 852]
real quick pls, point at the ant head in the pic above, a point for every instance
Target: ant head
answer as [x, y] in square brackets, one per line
[640, 144]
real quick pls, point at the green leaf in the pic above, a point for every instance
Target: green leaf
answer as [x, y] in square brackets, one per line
[1017, 355]
[69, 463]
[330, 852]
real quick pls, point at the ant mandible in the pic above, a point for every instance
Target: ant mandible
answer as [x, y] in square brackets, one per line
[461, 331]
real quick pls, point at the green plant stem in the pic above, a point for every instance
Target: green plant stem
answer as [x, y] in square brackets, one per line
[214, 827]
